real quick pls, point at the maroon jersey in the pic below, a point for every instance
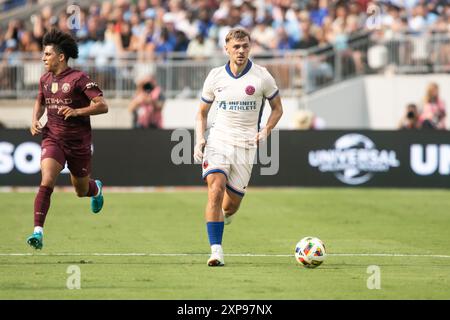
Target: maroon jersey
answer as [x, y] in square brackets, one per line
[74, 89]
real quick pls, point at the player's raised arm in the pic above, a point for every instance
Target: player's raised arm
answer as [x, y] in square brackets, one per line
[200, 128]
[275, 115]
[91, 91]
[98, 106]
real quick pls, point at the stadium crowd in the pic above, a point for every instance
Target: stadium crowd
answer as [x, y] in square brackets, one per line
[152, 28]
[149, 30]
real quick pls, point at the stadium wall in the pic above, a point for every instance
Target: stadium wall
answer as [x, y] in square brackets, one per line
[387, 96]
[374, 102]
[177, 113]
[291, 158]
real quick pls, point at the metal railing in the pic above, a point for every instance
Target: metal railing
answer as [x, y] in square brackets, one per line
[329, 64]
[179, 76]
[296, 72]
[418, 53]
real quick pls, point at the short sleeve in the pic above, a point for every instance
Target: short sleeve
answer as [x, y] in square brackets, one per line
[208, 89]
[270, 89]
[88, 87]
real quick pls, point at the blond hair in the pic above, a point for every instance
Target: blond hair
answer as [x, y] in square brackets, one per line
[429, 94]
[237, 34]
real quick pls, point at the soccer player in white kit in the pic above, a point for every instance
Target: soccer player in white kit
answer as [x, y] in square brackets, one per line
[238, 90]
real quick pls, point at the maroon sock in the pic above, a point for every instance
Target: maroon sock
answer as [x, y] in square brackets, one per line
[41, 205]
[93, 189]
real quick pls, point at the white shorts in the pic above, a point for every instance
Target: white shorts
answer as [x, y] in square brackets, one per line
[234, 162]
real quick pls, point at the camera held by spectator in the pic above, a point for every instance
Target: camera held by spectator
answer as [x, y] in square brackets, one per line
[148, 87]
[410, 119]
[147, 104]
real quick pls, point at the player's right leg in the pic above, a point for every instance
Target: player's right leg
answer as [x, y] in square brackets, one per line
[215, 171]
[50, 169]
[238, 179]
[214, 217]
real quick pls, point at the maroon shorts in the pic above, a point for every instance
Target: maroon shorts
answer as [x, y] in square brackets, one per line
[78, 158]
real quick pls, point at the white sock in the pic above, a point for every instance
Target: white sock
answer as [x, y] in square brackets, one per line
[38, 230]
[216, 248]
[98, 191]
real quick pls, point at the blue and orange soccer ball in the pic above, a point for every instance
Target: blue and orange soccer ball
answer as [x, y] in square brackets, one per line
[310, 252]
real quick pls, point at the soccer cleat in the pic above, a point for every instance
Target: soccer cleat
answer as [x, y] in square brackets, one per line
[36, 241]
[227, 219]
[216, 258]
[97, 201]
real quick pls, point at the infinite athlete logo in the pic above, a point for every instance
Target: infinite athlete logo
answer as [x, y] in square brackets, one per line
[250, 90]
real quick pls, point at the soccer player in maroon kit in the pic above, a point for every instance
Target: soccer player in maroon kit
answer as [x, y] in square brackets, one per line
[69, 97]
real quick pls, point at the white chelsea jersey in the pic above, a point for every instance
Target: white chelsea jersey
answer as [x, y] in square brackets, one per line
[239, 101]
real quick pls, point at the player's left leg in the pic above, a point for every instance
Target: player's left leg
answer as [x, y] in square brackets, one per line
[87, 187]
[80, 169]
[230, 205]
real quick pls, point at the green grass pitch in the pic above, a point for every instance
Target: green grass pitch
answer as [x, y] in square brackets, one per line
[154, 246]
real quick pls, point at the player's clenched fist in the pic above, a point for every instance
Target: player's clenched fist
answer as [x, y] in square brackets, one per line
[262, 135]
[198, 150]
[36, 128]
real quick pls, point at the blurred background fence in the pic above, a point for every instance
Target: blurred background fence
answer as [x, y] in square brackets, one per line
[297, 71]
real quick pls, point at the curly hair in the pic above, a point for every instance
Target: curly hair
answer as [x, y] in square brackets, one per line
[62, 43]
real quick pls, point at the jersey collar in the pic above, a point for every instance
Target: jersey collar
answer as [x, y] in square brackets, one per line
[246, 69]
[62, 74]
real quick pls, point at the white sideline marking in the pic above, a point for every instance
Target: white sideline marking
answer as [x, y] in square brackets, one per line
[228, 255]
